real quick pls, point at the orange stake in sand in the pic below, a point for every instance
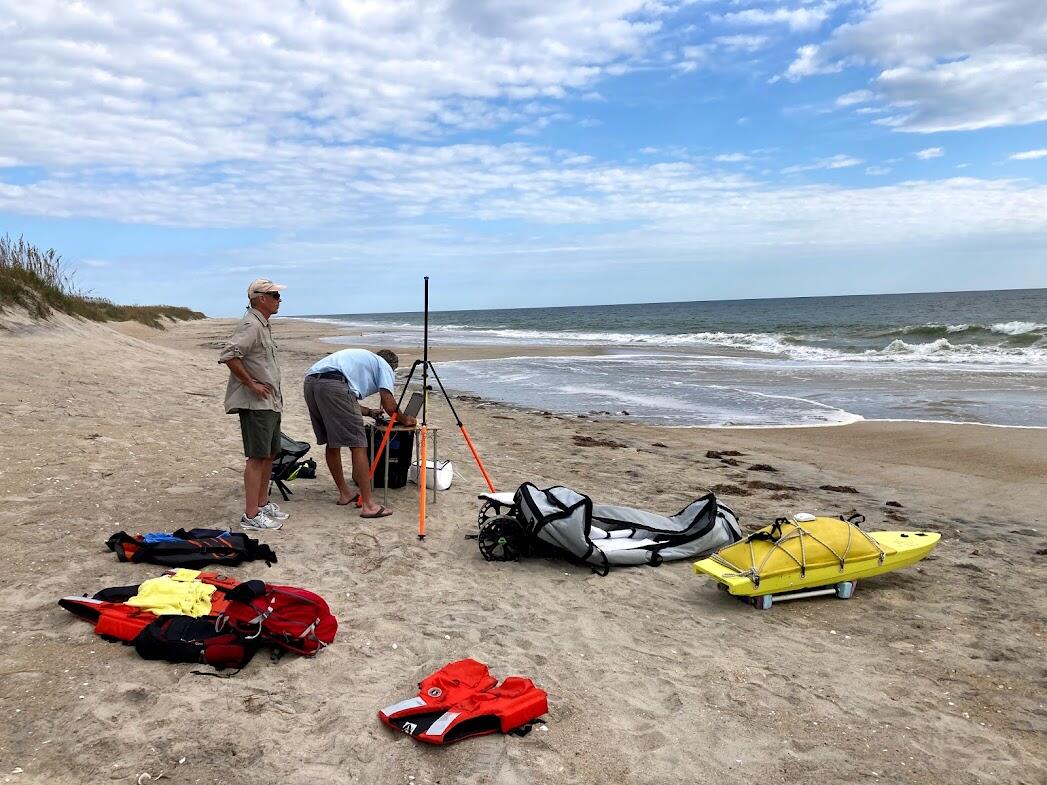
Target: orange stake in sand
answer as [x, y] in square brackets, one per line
[423, 482]
[381, 447]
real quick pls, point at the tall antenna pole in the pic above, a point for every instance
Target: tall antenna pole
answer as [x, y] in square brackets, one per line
[425, 356]
[423, 464]
[423, 435]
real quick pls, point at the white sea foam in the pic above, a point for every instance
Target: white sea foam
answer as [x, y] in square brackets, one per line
[772, 343]
[648, 401]
[942, 350]
[1017, 328]
[909, 329]
[676, 388]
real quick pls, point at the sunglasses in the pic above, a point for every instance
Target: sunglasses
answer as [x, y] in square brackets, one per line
[274, 295]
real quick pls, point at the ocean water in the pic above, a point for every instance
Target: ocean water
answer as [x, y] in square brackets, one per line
[960, 357]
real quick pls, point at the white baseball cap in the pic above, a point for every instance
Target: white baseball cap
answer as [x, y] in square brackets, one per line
[262, 286]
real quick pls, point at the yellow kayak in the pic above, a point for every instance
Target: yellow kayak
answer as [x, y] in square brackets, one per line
[806, 552]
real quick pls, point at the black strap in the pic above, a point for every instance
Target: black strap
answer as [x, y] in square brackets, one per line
[774, 534]
[216, 674]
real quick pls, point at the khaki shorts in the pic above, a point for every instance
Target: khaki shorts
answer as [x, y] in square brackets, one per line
[261, 431]
[334, 412]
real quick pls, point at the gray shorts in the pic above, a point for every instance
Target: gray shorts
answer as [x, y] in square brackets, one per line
[260, 429]
[334, 412]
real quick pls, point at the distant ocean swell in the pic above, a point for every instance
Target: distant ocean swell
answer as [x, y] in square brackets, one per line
[976, 357]
[1012, 343]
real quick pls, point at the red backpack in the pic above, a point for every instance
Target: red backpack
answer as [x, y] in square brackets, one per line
[294, 619]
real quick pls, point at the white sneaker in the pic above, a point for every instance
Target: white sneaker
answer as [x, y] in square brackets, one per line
[274, 512]
[260, 521]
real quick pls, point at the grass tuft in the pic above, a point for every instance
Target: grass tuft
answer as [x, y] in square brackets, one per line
[37, 281]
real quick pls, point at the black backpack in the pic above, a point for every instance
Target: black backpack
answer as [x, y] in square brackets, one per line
[195, 549]
[184, 639]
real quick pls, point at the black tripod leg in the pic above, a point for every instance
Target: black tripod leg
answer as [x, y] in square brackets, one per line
[457, 419]
[407, 382]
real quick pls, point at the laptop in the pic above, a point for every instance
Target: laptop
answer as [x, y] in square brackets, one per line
[414, 406]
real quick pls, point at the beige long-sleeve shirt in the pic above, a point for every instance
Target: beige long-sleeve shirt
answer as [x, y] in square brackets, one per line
[252, 342]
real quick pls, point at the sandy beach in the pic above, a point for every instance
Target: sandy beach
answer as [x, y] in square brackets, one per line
[935, 673]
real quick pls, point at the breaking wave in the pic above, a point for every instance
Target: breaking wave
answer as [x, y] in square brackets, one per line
[1004, 343]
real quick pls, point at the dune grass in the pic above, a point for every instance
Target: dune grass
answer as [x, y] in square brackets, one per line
[37, 281]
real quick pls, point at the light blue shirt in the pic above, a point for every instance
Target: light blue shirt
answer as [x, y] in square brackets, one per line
[366, 372]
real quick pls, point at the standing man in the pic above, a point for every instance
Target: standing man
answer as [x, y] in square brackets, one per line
[333, 389]
[254, 393]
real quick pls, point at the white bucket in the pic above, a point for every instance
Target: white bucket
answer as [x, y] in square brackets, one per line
[439, 475]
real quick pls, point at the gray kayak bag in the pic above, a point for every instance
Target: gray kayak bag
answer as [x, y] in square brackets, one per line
[604, 535]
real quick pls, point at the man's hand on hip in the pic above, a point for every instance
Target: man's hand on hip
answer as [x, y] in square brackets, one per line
[261, 389]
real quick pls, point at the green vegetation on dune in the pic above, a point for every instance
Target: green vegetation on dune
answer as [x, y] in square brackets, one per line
[35, 280]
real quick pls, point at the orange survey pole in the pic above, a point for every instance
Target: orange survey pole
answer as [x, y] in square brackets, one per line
[423, 482]
[381, 447]
[475, 456]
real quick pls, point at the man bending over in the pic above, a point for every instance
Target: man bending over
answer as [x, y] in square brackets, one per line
[334, 387]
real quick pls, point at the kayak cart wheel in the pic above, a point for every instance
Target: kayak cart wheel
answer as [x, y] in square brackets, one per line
[501, 539]
[488, 510]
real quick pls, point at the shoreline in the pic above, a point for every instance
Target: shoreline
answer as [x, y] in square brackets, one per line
[471, 352]
[840, 440]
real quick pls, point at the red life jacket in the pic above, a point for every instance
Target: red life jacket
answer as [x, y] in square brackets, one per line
[462, 700]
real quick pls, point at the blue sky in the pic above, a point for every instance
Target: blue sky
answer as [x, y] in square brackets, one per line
[526, 153]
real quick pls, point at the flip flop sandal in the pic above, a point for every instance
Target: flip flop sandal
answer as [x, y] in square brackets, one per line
[382, 513]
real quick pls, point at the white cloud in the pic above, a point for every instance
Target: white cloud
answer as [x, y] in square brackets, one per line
[801, 19]
[878, 171]
[343, 212]
[363, 190]
[946, 65]
[692, 58]
[930, 152]
[1028, 155]
[854, 98]
[989, 89]
[808, 62]
[742, 43]
[835, 162]
[236, 115]
[198, 83]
